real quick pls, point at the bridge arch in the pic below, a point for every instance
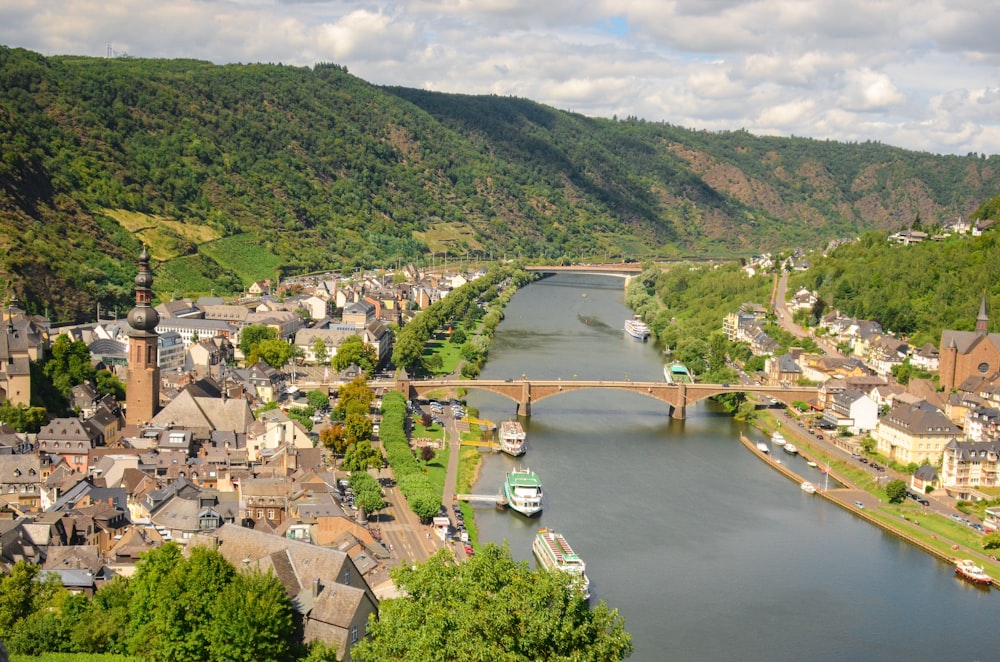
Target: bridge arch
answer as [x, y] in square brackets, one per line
[525, 392]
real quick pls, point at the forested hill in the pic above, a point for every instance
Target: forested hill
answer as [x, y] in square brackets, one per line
[241, 172]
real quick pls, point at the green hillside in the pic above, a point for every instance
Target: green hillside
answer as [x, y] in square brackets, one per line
[240, 172]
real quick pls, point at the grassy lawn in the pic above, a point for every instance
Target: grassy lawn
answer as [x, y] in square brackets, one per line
[437, 469]
[450, 353]
[469, 460]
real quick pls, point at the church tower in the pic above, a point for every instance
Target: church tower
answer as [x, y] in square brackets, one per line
[983, 320]
[142, 394]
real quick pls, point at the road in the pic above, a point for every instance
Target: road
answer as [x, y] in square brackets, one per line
[785, 319]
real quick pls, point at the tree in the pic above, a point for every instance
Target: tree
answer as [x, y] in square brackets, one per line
[274, 352]
[895, 491]
[251, 335]
[457, 337]
[361, 456]
[433, 363]
[23, 418]
[334, 438]
[991, 540]
[427, 454]
[354, 350]
[109, 384]
[354, 396]
[22, 594]
[490, 608]
[251, 619]
[318, 399]
[319, 350]
[68, 364]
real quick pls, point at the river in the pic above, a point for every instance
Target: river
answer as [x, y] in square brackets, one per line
[707, 552]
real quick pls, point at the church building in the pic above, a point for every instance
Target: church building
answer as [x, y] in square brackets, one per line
[966, 354]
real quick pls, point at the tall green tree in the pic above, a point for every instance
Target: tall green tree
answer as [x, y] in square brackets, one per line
[354, 350]
[23, 592]
[319, 351]
[251, 335]
[68, 364]
[274, 352]
[251, 619]
[23, 418]
[490, 608]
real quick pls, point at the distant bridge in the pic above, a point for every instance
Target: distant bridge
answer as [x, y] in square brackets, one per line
[525, 392]
[627, 270]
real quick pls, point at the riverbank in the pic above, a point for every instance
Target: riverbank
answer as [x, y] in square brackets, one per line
[901, 520]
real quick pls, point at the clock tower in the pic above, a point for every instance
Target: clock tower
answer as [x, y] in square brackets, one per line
[142, 393]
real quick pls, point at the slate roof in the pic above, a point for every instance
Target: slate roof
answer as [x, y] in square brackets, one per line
[920, 419]
[965, 341]
[190, 411]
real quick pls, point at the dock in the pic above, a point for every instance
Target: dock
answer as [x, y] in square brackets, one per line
[492, 445]
[499, 499]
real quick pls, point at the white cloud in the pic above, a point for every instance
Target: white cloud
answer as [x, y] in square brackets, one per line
[917, 73]
[868, 90]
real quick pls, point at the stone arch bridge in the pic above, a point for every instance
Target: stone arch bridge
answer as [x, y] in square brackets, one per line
[525, 392]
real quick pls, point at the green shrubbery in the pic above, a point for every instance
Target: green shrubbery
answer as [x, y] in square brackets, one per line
[414, 484]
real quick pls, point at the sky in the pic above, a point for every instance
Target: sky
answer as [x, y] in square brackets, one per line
[919, 74]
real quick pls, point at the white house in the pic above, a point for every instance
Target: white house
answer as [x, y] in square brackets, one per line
[852, 409]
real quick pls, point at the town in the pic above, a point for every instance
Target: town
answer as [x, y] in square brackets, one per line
[203, 452]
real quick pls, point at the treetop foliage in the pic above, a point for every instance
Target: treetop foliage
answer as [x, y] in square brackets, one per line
[491, 608]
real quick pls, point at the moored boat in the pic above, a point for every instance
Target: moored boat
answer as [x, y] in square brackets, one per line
[636, 328]
[554, 553]
[971, 571]
[677, 373]
[811, 464]
[790, 448]
[762, 447]
[512, 438]
[777, 439]
[523, 491]
[808, 487]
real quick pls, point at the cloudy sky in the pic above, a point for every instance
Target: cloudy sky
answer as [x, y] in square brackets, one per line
[920, 74]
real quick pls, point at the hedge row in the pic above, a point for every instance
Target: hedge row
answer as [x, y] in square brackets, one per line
[410, 477]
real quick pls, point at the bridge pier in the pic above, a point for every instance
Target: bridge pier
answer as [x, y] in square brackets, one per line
[679, 410]
[524, 404]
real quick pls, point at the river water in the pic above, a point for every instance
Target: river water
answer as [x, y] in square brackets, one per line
[706, 552]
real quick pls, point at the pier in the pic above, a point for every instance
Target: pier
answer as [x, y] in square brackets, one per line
[499, 499]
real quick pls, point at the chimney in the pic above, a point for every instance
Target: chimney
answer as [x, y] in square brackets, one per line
[316, 587]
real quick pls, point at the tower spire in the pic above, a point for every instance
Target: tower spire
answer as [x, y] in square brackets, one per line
[982, 320]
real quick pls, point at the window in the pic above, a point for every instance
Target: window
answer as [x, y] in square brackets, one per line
[984, 367]
[354, 634]
[270, 513]
[347, 576]
[260, 513]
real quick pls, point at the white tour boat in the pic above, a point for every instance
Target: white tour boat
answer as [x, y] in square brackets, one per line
[636, 328]
[554, 553]
[512, 438]
[523, 491]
